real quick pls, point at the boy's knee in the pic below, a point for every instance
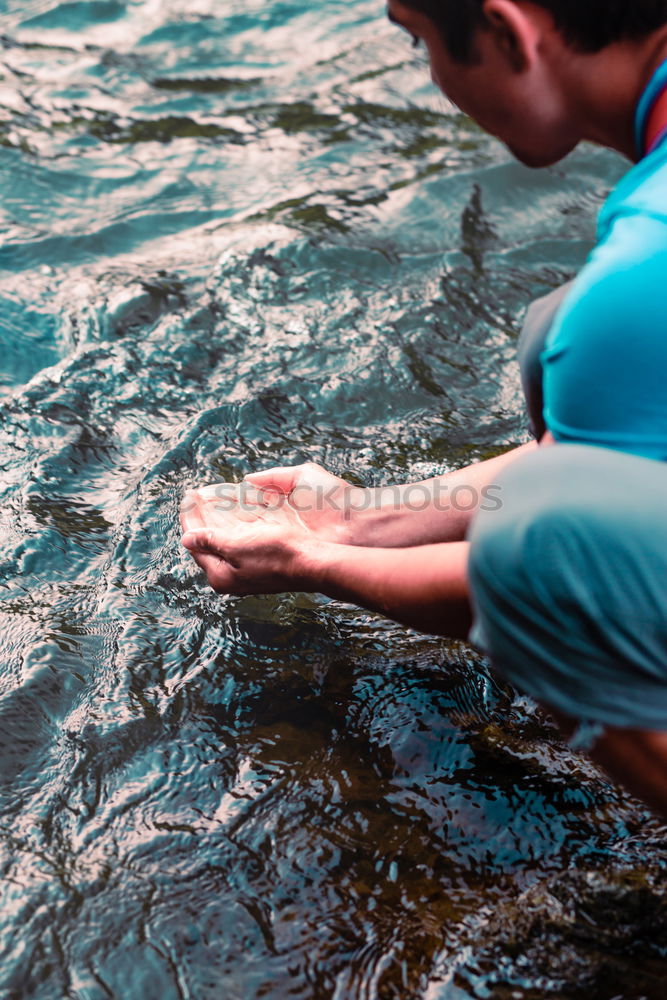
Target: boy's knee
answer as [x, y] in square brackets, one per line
[522, 549]
[567, 584]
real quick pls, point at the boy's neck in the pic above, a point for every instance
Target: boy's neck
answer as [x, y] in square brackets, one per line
[605, 88]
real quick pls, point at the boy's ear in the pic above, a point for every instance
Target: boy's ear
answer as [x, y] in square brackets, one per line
[514, 31]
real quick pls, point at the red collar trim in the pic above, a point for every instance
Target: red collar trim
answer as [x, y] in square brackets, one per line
[656, 126]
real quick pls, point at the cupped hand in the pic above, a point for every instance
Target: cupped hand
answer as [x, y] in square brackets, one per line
[245, 544]
[325, 504]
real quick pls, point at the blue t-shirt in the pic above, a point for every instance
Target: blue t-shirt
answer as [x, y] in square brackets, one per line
[604, 363]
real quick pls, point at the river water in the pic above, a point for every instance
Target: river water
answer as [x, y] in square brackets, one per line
[237, 233]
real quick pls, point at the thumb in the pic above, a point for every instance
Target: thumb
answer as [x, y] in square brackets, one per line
[283, 478]
[203, 540]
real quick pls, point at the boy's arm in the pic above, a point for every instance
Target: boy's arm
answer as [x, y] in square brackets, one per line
[424, 587]
[435, 510]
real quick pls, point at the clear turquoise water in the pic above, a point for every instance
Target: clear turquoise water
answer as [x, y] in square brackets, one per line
[234, 234]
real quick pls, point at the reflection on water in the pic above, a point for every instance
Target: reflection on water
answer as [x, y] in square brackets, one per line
[235, 234]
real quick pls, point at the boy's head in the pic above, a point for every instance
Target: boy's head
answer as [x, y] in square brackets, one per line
[586, 25]
[542, 74]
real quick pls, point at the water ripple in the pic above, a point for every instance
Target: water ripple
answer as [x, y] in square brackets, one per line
[223, 250]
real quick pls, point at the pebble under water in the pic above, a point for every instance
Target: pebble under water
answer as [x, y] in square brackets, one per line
[237, 233]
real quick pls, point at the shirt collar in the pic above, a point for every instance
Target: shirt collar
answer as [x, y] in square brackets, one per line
[655, 87]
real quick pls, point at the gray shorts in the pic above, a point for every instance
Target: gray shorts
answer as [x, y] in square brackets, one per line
[569, 583]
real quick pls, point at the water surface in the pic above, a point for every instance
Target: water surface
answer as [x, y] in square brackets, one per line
[235, 234]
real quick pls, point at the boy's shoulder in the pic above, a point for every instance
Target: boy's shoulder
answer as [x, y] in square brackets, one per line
[643, 191]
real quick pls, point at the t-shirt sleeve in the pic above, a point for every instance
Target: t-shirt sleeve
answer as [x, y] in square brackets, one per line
[540, 317]
[605, 360]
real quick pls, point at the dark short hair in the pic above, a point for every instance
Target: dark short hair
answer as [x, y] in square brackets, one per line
[586, 25]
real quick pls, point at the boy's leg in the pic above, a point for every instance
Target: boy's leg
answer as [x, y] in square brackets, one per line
[569, 586]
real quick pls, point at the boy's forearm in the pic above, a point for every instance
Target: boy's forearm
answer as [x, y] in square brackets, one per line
[436, 510]
[424, 587]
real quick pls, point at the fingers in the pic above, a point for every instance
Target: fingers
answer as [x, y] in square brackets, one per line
[203, 541]
[220, 576]
[237, 548]
[220, 492]
[207, 551]
[227, 497]
[283, 478]
[209, 563]
[190, 513]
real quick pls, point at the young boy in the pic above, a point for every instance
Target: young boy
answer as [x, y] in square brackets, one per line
[566, 575]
